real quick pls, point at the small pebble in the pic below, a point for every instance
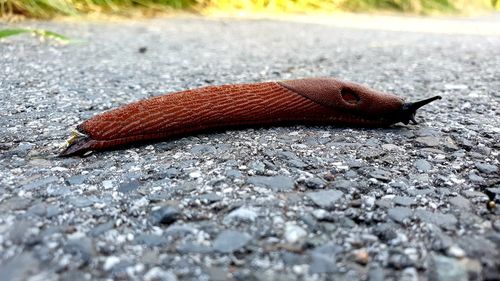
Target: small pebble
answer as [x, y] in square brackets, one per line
[362, 256]
[294, 233]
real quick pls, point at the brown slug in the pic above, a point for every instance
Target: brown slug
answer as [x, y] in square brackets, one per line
[313, 101]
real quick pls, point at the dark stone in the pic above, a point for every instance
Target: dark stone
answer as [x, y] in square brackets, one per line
[323, 258]
[81, 250]
[325, 199]
[486, 168]
[119, 270]
[19, 268]
[385, 231]
[20, 231]
[151, 240]
[450, 145]
[39, 183]
[460, 202]
[193, 248]
[473, 193]
[442, 268]
[315, 183]
[241, 215]
[322, 264]
[496, 225]
[52, 211]
[164, 215]
[234, 174]
[291, 259]
[399, 214]
[441, 241]
[351, 275]
[399, 260]
[217, 273]
[39, 209]
[57, 190]
[203, 149]
[260, 275]
[328, 249]
[424, 191]
[296, 163]
[352, 163]
[427, 132]
[376, 273]
[292, 159]
[447, 221]
[371, 153]
[343, 185]
[381, 175]
[73, 275]
[258, 167]
[171, 173]
[179, 231]
[495, 238]
[102, 228]
[494, 190]
[428, 141]
[475, 177]
[423, 166]
[14, 204]
[350, 174]
[384, 203]
[229, 241]
[76, 180]
[22, 149]
[276, 183]
[404, 201]
[81, 202]
[209, 198]
[399, 184]
[478, 247]
[129, 186]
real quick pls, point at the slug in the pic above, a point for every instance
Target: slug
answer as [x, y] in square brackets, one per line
[313, 101]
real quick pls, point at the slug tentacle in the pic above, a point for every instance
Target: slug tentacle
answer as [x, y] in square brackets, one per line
[313, 101]
[409, 109]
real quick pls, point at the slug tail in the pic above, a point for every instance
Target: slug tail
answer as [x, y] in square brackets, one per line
[410, 109]
[77, 144]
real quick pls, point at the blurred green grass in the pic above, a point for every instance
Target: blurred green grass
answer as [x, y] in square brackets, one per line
[52, 8]
[42, 34]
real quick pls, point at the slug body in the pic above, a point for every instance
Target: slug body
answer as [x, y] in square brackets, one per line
[316, 101]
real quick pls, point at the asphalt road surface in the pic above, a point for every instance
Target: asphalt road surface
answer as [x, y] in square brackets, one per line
[297, 203]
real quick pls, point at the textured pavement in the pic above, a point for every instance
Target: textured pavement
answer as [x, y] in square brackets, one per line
[296, 203]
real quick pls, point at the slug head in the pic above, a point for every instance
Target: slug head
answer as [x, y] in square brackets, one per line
[357, 104]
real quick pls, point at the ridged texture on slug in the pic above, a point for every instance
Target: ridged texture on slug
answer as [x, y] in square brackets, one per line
[303, 101]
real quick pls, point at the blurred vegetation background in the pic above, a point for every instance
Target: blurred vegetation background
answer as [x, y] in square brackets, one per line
[52, 8]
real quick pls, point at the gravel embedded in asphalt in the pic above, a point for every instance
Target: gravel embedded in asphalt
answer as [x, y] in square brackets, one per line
[297, 203]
